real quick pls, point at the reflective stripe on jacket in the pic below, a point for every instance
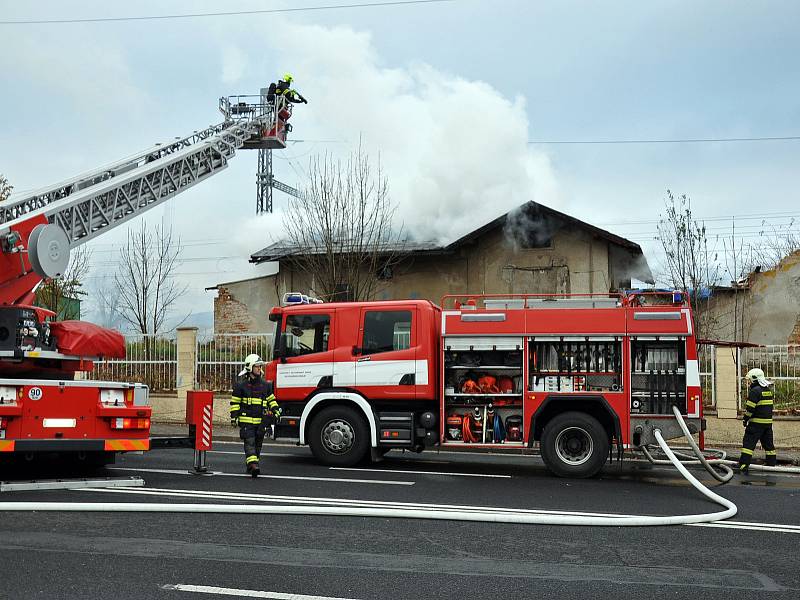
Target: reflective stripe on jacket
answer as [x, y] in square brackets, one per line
[758, 408]
[251, 399]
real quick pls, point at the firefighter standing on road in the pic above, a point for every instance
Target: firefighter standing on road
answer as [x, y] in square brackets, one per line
[758, 420]
[253, 408]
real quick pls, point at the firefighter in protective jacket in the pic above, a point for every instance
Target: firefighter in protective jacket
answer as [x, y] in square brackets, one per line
[758, 420]
[253, 409]
[283, 88]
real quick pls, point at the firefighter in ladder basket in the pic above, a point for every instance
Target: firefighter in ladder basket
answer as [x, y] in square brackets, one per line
[758, 420]
[253, 409]
[283, 88]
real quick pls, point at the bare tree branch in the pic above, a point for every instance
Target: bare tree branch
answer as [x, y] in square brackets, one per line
[343, 228]
[776, 244]
[104, 296]
[690, 264]
[145, 284]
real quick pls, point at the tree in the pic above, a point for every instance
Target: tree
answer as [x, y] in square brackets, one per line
[104, 298]
[145, 278]
[690, 264]
[342, 231]
[739, 261]
[59, 294]
[775, 245]
[5, 189]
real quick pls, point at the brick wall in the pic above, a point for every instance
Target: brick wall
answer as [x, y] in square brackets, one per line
[230, 315]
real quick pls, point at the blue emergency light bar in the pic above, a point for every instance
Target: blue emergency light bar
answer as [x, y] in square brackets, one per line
[290, 298]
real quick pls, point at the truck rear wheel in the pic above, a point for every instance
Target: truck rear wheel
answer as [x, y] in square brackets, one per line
[339, 436]
[574, 444]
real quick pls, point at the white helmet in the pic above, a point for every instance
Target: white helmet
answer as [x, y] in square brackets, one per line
[754, 375]
[251, 361]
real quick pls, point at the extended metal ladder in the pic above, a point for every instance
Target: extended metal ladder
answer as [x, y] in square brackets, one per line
[86, 206]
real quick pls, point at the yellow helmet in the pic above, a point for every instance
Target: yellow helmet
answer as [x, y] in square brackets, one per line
[287, 77]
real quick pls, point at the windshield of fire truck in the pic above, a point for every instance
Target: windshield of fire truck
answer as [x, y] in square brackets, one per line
[305, 334]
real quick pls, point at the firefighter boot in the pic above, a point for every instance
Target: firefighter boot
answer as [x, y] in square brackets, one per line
[253, 469]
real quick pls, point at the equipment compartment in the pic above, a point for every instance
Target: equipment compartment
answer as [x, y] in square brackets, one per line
[483, 394]
[589, 365]
[658, 376]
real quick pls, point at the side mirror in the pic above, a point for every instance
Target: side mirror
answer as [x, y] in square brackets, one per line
[280, 348]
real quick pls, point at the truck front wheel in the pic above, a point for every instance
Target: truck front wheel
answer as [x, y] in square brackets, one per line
[339, 436]
[574, 444]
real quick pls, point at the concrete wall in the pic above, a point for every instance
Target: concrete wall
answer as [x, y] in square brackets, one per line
[775, 303]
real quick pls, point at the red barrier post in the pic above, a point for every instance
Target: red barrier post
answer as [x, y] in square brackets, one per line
[199, 417]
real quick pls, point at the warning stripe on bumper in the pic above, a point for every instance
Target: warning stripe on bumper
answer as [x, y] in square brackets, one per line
[6, 445]
[126, 445]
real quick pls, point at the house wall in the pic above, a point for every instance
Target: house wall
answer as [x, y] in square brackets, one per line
[775, 303]
[244, 306]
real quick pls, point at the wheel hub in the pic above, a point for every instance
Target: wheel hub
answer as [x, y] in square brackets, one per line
[338, 436]
[574, 446]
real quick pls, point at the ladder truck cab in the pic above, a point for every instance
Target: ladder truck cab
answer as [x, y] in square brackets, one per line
[584, 377]
[43, 408]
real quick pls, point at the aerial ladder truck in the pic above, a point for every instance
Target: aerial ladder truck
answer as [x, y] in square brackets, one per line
[43, 408]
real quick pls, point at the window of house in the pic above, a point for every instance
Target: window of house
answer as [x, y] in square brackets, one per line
[385, 331]
[306, 334]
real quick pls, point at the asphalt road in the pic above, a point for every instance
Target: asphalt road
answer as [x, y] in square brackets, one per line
[166, 556]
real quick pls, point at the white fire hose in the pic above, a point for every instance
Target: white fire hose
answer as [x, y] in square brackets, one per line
[721, 462]
[725, 477]
[498, 515]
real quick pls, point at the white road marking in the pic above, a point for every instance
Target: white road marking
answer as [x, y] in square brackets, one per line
[266, 476]
[420, 472]
[774, 527]
[207, 589]
[334, 501]
[311, 500]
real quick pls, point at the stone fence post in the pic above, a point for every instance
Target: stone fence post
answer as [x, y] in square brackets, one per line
[726, 370]
[187, 361]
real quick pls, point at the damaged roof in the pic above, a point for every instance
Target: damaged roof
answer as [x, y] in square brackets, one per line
[283, 249]
[531, 210]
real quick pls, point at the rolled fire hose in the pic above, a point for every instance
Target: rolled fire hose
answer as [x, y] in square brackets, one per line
[485, 516]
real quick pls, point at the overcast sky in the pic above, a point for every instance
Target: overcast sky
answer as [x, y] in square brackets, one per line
[449, 94]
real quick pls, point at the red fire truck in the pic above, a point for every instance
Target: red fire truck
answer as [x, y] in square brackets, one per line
[43, 408]
[585, 376]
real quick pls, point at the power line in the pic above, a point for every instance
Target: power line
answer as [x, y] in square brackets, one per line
[223, 14]
[675, 141]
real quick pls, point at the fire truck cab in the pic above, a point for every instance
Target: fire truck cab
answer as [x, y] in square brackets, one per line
[582, 376]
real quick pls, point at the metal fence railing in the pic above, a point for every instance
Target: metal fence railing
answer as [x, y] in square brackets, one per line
[150, 359]
[781, 365]
[220, 356]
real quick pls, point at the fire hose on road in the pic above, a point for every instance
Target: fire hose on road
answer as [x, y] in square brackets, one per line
[497, 515]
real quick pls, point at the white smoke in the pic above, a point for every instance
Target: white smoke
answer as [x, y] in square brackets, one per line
[455, 151]
[234, 63]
